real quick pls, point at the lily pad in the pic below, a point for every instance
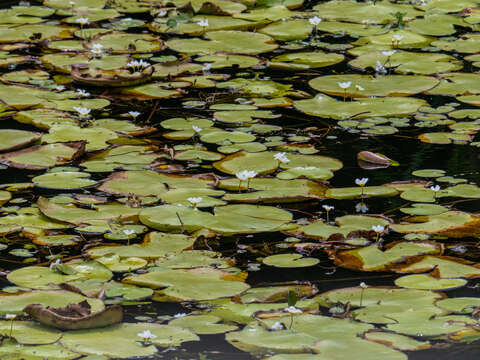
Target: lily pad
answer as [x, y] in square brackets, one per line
[289, 261]
[41, 157]
[426, 282]
[189, 284]
[327, 107]
[227, 41]
[122, 341]
[391, 85]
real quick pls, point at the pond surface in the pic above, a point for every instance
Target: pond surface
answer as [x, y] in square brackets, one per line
[243, 179]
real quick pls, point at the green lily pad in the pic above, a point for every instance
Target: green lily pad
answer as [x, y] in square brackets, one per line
[14, 303]
[230, 219]
[155, 245]
[397, 341]
[426, 282]
[11, 350]
[117, 264]
[292, 29]
[428, 173]
[44, 118]
[16, 139]
[467, 43]
[122, 341]
[371, 258]
[203, 324]
[443, 267]
[219, 61]
[77, 215]
[37, 277]
[127, 292]
[225, 41]
[41, 157]
[423, 327]
[272, 190]
[382, 305]
[454, 224]
[253, 87]
[356, 192]
[289, 261]
[189, 284]
[391, 85]
[352, 11]
[424, 209]
[327, 107]
[459, 305]
[29, 333]
[445, 138]
[24, 32]
[64, 180]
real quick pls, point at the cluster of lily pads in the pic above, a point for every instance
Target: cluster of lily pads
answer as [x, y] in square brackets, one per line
[162, 163]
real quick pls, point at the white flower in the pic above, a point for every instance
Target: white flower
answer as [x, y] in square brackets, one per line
[388, 53]
[282, 157]
[361, 207]
[10, 316]
[83, 93]
[293, 310]
[359, 88]
[135, 64]
[328, 208]
[143, 64]
[277, 326]
[71, 3]
[253, 267]
[55, 264]
[195, 200]
[82, 21]
[242, 175]
[378, 228]
[23, 3]
[203, 23]
[363, 285]
[146, 335]
[397, 37]
[435, 188]
[345, 85]
[134, 114]
[59, 87]
[128, 232]
[315, 21]
[162, 13]
[196, 128]
[246, 174]
[380, 69]
[206, 67]
[361, 182]
[83, 111]
[97, 48]
[179, 315]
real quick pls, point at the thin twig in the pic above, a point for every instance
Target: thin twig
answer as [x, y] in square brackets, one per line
[152, 112]
[181, 222]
